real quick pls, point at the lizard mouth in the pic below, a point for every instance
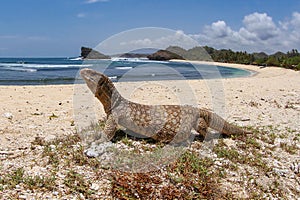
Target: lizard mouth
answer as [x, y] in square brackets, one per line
[92, 78]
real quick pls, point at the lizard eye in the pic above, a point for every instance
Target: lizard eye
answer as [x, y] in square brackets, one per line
[101, 82]
[92, 79]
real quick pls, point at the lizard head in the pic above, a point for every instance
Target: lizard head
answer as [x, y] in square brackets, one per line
[93, 78]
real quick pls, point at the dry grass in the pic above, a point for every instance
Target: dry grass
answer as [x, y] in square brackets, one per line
[240, 170]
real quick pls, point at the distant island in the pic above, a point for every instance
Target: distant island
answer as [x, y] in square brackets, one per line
[89, 53]
[164, 55]
[290, 60]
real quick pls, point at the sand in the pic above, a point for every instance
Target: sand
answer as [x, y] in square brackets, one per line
[271, 96]
[268, 100]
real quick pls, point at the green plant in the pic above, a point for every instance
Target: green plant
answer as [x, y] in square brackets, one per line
[18, 177]
[14, 178]
[188, 177]
[194, 173]
[40, 182]
[253, 143]
[77, 184]
[125, 140]
[223, 152]
[291, 149]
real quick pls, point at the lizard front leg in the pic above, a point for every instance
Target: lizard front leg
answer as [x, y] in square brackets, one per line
[110, 128]
[108, 132]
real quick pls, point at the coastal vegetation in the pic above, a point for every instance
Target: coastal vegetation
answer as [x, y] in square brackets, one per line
[289, 60]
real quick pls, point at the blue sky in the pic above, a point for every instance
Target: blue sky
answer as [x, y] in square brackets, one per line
[37, 28]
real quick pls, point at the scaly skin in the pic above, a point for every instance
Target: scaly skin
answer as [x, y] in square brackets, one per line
[165, 123]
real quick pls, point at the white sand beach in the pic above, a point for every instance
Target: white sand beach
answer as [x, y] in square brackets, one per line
[270, 97]
[261, 99]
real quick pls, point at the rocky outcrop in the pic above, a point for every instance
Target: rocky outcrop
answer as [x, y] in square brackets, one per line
[164, 55]
[196, 53]
[175, 52]
[88, 53]
[133, 55]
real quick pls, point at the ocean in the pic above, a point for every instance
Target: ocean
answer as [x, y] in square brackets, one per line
[49, 71]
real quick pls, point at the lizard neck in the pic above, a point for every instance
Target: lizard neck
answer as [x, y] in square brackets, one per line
[108, 95]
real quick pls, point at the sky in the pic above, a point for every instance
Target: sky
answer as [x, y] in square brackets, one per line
[58, 28]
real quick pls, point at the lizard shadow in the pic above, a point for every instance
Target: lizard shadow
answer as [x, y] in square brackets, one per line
[122, 135]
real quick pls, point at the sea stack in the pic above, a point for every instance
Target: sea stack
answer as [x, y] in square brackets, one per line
[89, 53]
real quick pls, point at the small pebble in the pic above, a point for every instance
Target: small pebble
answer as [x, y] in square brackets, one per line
[295, 167]
[81, 196]
[22, 197]
[8, 115]
[18, 187]
[52, 147]
[95, 187]
[280, 172]
[39, 147]
[96, 150]
[244, 119]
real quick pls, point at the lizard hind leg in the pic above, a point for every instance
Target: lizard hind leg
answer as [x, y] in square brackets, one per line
[202, 127]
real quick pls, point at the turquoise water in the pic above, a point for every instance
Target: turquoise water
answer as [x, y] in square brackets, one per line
[45, 71]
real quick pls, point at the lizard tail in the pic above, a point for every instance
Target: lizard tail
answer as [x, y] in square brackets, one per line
[217, 123]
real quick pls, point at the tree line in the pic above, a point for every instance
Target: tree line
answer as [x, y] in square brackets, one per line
[290, 60]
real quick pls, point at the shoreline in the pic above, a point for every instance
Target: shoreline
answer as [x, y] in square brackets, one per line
[251, 68]
[238, 66]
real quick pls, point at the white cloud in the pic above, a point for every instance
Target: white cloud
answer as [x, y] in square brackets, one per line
[24, 38]
[147, 37]
[140, 42]
[218, 29]
[295, 22]
[81, 15]
[261, 25]
[95, 1]
[258, 33]
[9, 36]
[37, 38]
[174, 38]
